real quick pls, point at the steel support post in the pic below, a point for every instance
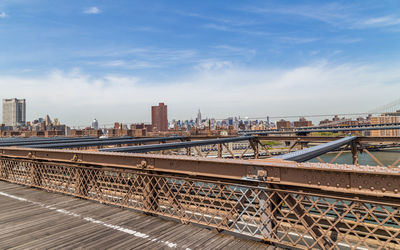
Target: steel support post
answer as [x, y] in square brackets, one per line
[150, 191]
[354, 152]
[219, 150]
[254, 145]
[188, 151]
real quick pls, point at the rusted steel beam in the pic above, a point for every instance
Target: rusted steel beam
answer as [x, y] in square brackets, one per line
[375, 181]
[293, 145]
[319, 159]
[39, 140]
[104, 142]
[321, 139]
[263, 209]
[176, 145]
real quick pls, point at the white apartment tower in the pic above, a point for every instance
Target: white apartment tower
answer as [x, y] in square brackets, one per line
[14, 112]
[199, 118]
[95, 124]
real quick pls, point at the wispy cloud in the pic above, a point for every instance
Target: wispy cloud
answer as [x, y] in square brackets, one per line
[382, 21]
[92, 10]
[139, 57]
[345, 40]
[128, 64]
[238, 22]
[213, 65]
[340, 16]
[299, 40]
[233, 50]
[227, 28]
[3, 14]
[327, 13]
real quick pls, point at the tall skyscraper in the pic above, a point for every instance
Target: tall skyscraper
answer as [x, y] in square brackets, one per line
[14, 112]
[95, 124]
[159, 117]
[199, 118]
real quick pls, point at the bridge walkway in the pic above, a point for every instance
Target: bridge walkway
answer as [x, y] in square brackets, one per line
[35, 219]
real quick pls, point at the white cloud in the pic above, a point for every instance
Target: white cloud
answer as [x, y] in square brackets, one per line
[3, 14]
[92, 10]
[298, 40]
[342, 16]
[128, 64]
[219, 89]
[380, 21]
[213, 65]
[331, 13]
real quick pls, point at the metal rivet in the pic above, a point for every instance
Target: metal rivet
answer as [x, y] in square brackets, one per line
[372, 188]
[359, 187]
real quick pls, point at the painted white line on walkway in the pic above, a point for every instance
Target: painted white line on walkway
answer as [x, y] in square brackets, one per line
[91, 220]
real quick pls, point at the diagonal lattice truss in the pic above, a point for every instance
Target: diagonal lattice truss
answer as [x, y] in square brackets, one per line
[274, 213]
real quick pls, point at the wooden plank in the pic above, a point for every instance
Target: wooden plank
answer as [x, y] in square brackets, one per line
[32, 225]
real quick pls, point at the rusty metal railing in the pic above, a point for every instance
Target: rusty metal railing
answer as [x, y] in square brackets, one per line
[276, 213]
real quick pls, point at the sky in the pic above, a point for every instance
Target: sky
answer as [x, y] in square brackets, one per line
[113, 59]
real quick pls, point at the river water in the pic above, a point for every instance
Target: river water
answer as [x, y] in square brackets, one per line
[386, 157]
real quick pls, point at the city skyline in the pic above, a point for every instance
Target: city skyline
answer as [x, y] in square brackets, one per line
[80, 59]
[314, 118]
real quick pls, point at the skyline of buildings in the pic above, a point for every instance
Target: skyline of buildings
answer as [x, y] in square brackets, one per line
[14, 112]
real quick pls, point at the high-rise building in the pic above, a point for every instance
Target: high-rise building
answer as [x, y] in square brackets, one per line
[198, 118]
[159, 117]
[48, 120]
[95, 124]
[14, 112]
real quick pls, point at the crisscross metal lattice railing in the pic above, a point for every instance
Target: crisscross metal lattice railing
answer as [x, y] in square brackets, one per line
[294, 217]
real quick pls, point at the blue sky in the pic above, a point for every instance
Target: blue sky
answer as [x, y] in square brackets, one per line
[113, 59]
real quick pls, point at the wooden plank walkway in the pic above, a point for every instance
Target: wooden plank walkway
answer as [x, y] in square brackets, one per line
[36, 219]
